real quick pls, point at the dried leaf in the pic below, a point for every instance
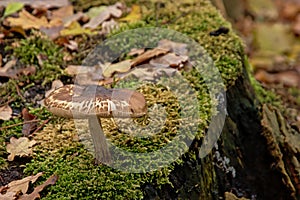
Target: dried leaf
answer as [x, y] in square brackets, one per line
[108, 26]
[135, 51]
[94, 11]
[123, 66]
[149, 55]
[134, 15]
[28, 21]
[35, 194]
[19, 147]
[169, 60]
[28, 127]
[63, 12]
[79, 69]
[5, 112]
[52, 32]
[12, 8]
[38, 3]
[178, 48]
[147, 72]
[8, 196]
[288, 78]
[110, 11]
[7, 66]
[72, 45]
[75, 29]
[67, 21]
[22, 185]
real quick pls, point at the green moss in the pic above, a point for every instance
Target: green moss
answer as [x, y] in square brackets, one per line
[59, 150]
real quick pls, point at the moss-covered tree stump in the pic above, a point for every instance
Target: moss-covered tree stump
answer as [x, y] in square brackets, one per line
[257, 155]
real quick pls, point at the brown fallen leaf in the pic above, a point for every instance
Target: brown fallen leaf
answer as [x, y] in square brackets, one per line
[52, 32]
[5, 112]
[110, 11]
[288, 78]
[148, 55]
[178, 48]
[35, 194]
[79, 69]
[147, 72]
[134, 52]
[62, 12]
[5, 70]
[28, 127]
[38, 3]
[108, 26]
[28, 21]
[19, 147]
[123, 66]
[9, 196]
[169, 60]
[23, 184]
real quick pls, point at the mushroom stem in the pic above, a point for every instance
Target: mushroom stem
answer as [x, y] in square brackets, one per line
[102, 153]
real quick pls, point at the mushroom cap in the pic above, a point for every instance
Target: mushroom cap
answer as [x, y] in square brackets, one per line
[73, 101]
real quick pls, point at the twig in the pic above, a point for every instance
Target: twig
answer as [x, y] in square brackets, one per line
[18, 124]
[39, 128]
[19, 92]
[7, 102]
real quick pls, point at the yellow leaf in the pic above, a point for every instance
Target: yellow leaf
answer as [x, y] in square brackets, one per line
[134, 15]
[75, 29]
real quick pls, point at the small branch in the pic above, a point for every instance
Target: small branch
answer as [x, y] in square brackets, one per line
[39, 128]
[18, 124]
[19, 92]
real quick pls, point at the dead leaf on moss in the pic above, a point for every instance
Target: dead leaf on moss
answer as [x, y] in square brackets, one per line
[169, 60]
[176, 47]
[19, 147]
[134, 15]
[62, 12]
[148, 55]
[5, 112]
[123, 66]
[75, 29]
[110, 11]
[134, 52]
[35, 194]
[7, 66]
[28, 21]
[28, 127]
[108, 26]
[38, 3]
[147, 72]
[23, 184]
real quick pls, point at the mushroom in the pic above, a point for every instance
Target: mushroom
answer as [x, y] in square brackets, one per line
[93, 102]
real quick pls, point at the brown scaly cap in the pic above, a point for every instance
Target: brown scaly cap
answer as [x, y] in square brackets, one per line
[74, 101]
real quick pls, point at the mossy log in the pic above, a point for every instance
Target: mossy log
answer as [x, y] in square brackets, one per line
[256, 157]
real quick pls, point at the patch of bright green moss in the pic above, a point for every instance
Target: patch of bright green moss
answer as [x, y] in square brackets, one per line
[79, 178]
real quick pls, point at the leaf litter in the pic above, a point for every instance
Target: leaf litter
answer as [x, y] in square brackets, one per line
[17, 190]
